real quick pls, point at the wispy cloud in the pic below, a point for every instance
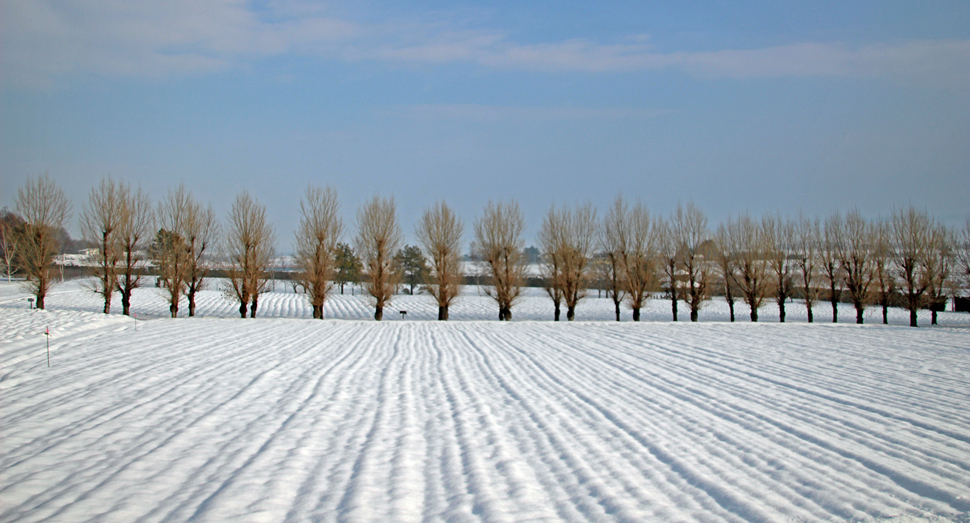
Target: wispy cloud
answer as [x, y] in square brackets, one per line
[505, 113]
[45, 40]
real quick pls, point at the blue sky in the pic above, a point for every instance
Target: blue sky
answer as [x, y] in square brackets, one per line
[742, 106]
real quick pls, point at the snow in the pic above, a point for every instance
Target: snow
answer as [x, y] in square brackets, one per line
[284, 419]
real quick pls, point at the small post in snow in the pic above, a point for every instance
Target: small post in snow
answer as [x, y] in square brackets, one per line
[47, 332]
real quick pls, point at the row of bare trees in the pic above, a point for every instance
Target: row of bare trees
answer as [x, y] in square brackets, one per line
[631, 254]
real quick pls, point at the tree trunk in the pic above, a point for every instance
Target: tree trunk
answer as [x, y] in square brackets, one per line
[40, 301]
[252, 308]
[318, 312]
[557, 313]
[173, 308]
[378, 312]
[107, 305]
[673, 303]
[693, 314]
[616, 306]
[885, 312]
[242, 309]
[731, 308]
[811, 315]
[191, 297]
[442, 313]
[912, 317]
[835, 311]
[754, 312]
[858, 313]
[781, 310]
[126, 303]
[571, 313]
[636, 314]
[933, 316]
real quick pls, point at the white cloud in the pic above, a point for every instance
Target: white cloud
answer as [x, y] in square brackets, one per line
[42, 41]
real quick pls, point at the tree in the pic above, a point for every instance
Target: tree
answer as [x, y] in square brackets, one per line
[727, 263]
[638, 253]
[567, 237]
[171, 253]
[667, 247]
[200, 235]
[911, 231]
[963, 254]
[316, 244]
[250, 244]
[439, 233]
[746, 239]
[137, 223]
[378, 237]
[939, 265]
[100, 222]
[808, 243]
[412, 265]
[830, 262]
[550, 246]
[613, 233]
[779, 235]
[498, 243]
[853, 248]
[9, 224]
[45, 210]
[348, 266]
[688, 228]
[882, 258]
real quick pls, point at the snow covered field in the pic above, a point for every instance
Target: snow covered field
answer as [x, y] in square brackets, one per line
[277, 419]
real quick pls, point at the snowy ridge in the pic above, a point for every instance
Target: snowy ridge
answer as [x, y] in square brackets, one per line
[215, 419]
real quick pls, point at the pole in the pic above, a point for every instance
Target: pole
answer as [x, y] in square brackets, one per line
[48, 334]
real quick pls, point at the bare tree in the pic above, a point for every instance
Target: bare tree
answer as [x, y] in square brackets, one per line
[551, 268]
[100, 222]
[200, 234]
[316, 244]
[808, 243]
[853, 248]
[378, 238]
[963, 254]
[171, 254]
[911, 232]
[566, 240]
[439, 233]
[830, 261]
[688, 226]
[882, 256]
[45, 210]
[939, 265]
[639, 255]
[747, 240]
[136, 225]
[667, 254]
[727, 263]
[9, 224]
[613, 238]
[498, 243]
[250, 244]
[779, 235]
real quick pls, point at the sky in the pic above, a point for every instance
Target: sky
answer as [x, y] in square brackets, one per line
[759, 107]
